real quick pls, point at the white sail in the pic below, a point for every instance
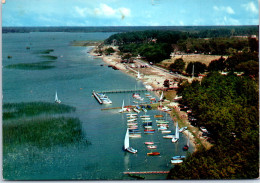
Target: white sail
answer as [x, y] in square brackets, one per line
[56, 98]
[123, 104]
[188, 142]
[161, 96]
[126, 143]
[177, 131]
[138, 75]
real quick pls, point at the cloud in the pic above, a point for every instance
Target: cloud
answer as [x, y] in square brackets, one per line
[107, 11]
[250, 7]
[227, 9]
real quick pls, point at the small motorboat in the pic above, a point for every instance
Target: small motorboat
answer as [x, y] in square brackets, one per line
[178, 157]
[153, 154]
[149, 143]
[151, 146]
[176, 161]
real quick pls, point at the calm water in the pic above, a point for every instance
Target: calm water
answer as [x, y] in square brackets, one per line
[75, 76]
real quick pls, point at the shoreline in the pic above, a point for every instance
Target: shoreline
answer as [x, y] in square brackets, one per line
[149, 77]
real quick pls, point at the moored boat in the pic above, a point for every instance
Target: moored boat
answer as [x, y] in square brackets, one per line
[149, 143]
[153, 154]
[134, 135]
[168, 136]
[166, 131]
[127, 144]
[176, 161]
[178, 157]
[152, 146]
[158, 116]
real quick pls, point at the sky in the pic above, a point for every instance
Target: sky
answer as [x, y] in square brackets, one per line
[129, 12]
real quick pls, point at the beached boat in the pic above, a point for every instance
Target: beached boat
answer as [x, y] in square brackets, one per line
[186, 147]
[127, 144]
[178, 157]
[183, 129]
[151, 146]
[176, 161]
[158, 116]
[149, 143]
[153, 154]
[57, 99]
[176, 137]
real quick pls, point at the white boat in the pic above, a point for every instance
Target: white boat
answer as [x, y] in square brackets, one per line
[145, 116]
[149, 143]
[162, 128]
[56, 98]
[131, 114]
[176, 161]
[176, 137]
[148, 127]
[166, 131]
[127, 144]
[145, 110]
[161, 97]
[131, 120]
[136, 110]
[183, 129]
[123, 109]
[178, 157]
[168, 136]
[135, 135]
[138, 75]
[152, 146]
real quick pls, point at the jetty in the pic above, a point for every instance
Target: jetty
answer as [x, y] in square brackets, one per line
[97, 97]
[148, 172]
[136, 90]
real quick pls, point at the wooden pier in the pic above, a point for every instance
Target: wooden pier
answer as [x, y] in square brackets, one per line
[123, 91]
[148, 172]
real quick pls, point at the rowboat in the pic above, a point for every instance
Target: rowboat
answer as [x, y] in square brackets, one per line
[131, 124]
[162, 128]
[131, 120]
[158, 116]
[168, 136]
[166, 131]
[151, 146]
[149, 143]
[145, 116]
[147, 130]
[153, 154]
[136, 110]
[178, 157]
[147, 127]
[134, 135]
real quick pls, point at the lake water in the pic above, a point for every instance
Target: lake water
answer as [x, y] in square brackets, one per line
[75, 76]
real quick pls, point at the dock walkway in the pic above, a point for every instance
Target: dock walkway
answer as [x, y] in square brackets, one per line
[148, 172]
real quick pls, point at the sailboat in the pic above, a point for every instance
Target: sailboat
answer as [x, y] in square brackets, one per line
[138, 75]
[126, 143]
[186, 147]
[56, 98]
[123, 109]
[176, 138]
[161, 97]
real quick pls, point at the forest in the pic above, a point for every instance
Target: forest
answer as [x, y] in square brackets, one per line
[228, 107]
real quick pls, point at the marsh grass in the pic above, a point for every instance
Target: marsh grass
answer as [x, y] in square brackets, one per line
[41, 132]
[48, 51]
[32, 66]
[18, 110]
[49, 57]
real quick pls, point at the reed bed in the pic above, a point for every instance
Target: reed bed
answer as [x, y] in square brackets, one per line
[47, 51]
[41, 132]
[49, 57]
[32, 66]
[17, 110]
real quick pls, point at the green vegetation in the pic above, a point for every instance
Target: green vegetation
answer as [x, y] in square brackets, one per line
[178, 65]
[85, 43]
[16, 110]
[42, 132]
[32, 66]
[49, 57]
[228, 107]
[109, 51]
